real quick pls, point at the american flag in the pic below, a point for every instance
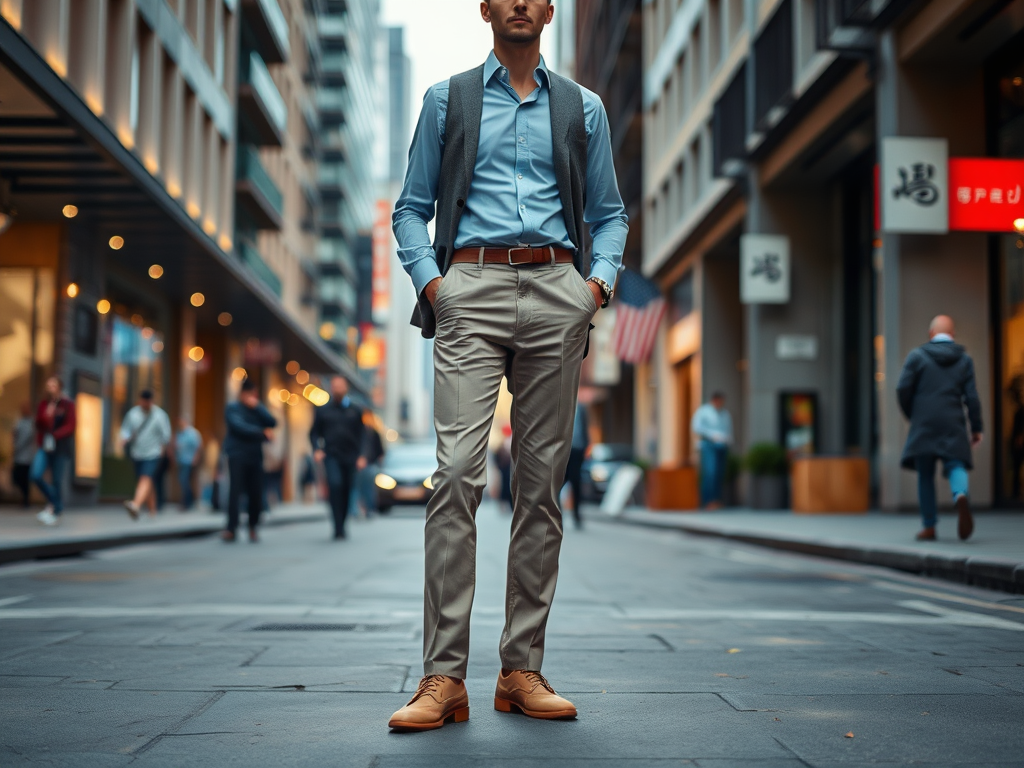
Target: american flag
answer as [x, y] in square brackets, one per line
[639, 307]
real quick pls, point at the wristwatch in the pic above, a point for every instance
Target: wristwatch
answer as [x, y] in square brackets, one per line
[606, 290]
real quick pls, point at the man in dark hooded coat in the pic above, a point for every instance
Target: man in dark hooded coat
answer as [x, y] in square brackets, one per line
[935, 387]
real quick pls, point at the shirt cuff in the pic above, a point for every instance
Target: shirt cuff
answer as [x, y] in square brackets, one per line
[604, 271]
[422, 272]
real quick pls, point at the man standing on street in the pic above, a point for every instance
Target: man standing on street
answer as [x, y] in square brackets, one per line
[337, 438]
[712, 426]
[513, 159]
[55, 437]
[249, 426]
[936, 384]
[187, 453]
[146, 431]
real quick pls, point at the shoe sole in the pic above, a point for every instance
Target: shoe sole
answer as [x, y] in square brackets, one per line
[132, 513]
[460, 715]
[503, 705]
[965, 522]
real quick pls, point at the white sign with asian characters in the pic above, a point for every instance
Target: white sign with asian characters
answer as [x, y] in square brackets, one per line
[914, 185]
[764, 269]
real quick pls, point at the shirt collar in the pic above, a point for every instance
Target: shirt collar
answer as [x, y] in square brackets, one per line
[942, 337]
[492, 65]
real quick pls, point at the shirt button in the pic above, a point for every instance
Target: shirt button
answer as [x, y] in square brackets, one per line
[519, 176]
[522, 207]
[522, 139]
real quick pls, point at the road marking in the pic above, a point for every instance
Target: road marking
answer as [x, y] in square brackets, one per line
[936, 615]
[947, 596]
[14, 600]
[956, 618]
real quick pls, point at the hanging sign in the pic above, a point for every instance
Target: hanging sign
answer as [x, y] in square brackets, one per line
[914, 185]
[764, 269]
[985, 194]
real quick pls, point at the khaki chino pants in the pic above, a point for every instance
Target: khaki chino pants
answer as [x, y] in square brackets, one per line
[534, 319]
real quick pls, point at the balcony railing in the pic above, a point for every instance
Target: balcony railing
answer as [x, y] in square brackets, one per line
[773, 68]
[257, 191]
[729, 126]
[264, 110]
[334, 258]
[269, 27]
[254, 261]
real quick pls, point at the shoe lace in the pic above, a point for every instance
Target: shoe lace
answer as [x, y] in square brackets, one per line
[539, 679]
[427, 685]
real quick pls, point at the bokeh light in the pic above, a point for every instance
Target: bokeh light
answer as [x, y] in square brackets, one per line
[116, 242]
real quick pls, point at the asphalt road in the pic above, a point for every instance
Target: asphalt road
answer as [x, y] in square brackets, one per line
[676, 650]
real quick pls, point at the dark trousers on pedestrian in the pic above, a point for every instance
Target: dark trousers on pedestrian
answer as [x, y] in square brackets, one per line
[245, 477]
[955, 472]
[56, 463]
[574, 476]
[159, 485]
[712, 471]
[339, 490]
[188, 497]
[19, 477]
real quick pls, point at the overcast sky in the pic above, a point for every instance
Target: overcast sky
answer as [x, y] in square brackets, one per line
[445, 37]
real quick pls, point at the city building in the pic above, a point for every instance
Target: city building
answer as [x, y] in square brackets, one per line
[607, 53]
[156, 171]
[347, 108]
[776, 118]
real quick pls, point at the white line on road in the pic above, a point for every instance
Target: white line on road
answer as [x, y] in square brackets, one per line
[14, 600]
[938, 616]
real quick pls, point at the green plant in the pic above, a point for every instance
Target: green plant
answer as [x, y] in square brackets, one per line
[766, 460]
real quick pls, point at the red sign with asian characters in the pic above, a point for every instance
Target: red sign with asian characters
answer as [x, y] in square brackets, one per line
[985, 195]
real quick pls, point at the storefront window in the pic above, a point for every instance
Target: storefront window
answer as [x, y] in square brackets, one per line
[26, 346]
[136, 363]
[1008, 137]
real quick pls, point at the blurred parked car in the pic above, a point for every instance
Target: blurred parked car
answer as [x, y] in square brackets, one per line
[599, 466]
[404, 476]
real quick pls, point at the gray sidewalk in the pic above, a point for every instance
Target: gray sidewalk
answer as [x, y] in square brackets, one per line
[992, 557]
[22, 537]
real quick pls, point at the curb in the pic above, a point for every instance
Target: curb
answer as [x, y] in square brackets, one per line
[990, 572]
[43, 549]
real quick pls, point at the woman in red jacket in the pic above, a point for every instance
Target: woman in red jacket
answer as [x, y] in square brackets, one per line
[55, 435]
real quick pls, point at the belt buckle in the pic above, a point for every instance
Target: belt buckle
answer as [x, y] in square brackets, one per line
[520, 248]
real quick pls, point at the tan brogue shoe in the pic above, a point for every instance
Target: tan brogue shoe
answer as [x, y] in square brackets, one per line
[529, 693]
[438, 699]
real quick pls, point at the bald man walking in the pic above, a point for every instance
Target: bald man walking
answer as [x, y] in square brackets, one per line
[936, 384]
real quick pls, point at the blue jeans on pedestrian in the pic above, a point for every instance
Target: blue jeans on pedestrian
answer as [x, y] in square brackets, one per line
[188, 497]
[712, 471]
[57, 464]
[954, 470]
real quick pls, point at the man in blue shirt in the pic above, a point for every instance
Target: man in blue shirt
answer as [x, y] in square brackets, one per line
[512, 161]
[187, 443]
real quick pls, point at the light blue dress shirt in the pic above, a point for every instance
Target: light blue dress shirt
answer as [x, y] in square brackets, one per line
[513, 198]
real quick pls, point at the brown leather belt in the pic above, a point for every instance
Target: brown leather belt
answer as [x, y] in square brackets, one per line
[516, 257]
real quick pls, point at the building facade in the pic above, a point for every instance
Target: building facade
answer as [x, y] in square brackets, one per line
[769, 118]
[608, 60]
[155, 177]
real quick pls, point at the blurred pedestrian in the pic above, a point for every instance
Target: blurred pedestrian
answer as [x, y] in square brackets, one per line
[337, 440]
[55, 438]
[273, 469]
[935, 387]
[24, 451]
[503, 461]
[188, 444]
[160, 477]
[146, 433]
[712, 426]
[249, 426]
[574, 469]
[373, 451]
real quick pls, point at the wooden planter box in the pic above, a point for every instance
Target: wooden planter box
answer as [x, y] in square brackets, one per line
[830, 484]
[672, 488]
